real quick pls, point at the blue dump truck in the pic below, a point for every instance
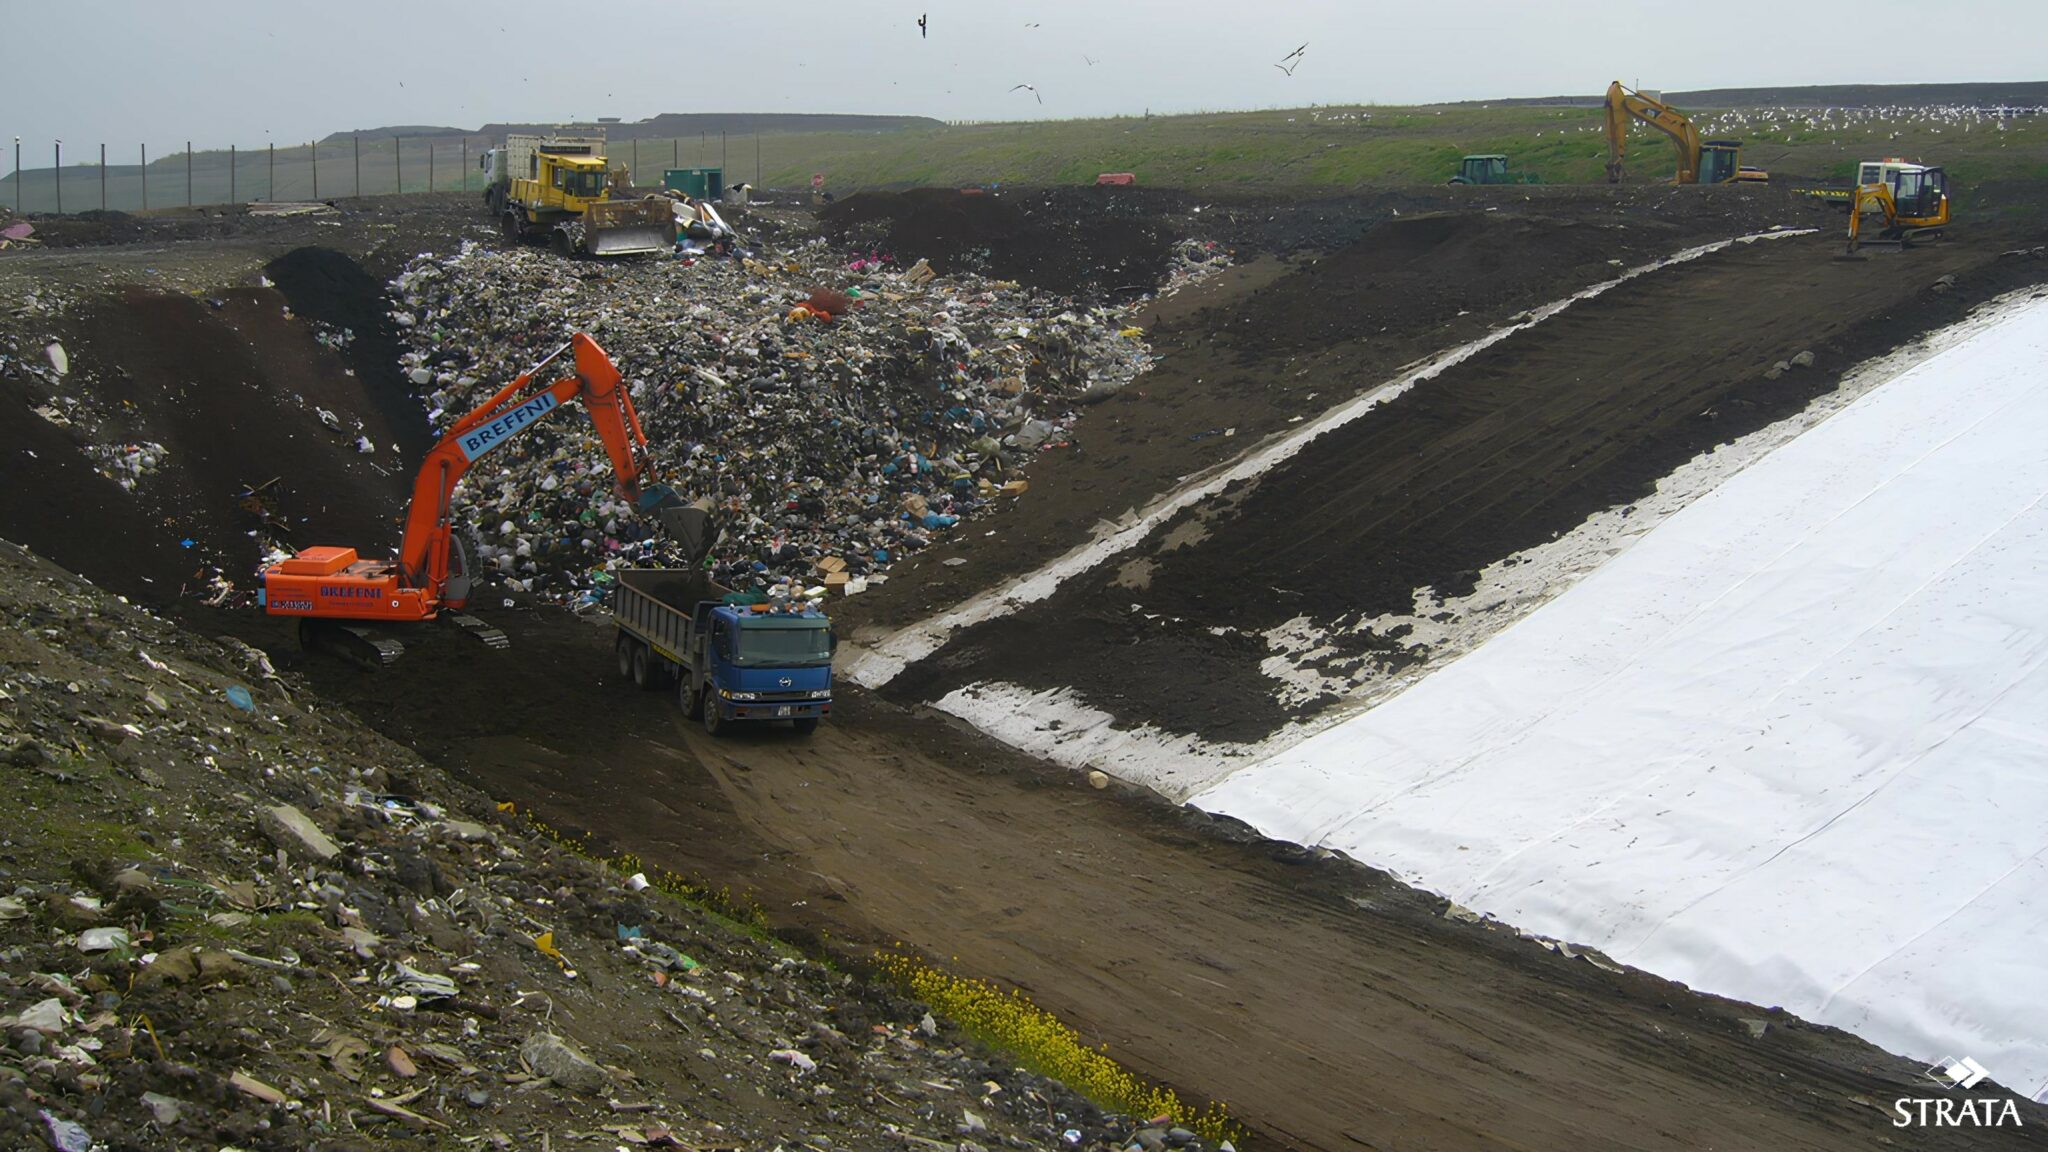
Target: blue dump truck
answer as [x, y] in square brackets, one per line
[730, 662]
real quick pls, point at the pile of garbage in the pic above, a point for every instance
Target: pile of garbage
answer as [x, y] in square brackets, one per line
[128, 464]
[840, 414]
[232, 920]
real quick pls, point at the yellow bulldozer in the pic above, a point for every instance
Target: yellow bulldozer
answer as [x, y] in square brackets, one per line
[558, 189]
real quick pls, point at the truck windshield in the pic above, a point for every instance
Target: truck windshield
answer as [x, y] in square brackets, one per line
[583, 183]
[785, 646]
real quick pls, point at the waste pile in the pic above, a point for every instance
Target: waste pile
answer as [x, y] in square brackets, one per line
[833, 409]
[233, 918]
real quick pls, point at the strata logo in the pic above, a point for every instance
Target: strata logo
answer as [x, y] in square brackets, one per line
[1954, 1111]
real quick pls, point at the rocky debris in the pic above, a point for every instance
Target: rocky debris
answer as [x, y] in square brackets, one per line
[831, 410]
[290, 829]
[560, 1061]
[264, 994]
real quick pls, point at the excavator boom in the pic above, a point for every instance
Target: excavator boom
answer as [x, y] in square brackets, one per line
[328, 583]
[1699, 161]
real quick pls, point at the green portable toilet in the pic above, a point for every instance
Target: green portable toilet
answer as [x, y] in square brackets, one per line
[696, 183]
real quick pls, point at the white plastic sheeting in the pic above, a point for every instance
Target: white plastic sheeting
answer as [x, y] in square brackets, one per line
[1791, 747]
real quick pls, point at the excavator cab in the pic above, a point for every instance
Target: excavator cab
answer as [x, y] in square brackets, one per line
[1720, 161]
[1920, 195]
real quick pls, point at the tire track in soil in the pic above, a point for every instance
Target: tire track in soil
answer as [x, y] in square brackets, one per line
[1332, 1008]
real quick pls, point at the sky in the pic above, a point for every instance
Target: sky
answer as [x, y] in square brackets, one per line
[247, 72]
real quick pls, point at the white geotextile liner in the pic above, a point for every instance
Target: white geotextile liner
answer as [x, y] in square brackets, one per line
[1791, 746]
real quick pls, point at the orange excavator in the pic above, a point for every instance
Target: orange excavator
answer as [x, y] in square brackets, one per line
[334, 592]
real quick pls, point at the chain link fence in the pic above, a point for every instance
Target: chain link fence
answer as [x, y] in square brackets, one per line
[136, 178]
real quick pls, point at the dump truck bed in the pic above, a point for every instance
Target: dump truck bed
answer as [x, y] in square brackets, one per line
[656, 605]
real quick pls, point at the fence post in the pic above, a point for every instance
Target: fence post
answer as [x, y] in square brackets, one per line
[397, 165]
[145, 176]
[430, 164]
[270, 181]
[465, 163]
[721, 153]
[675, 152]
[636, 159]
[314, 148]
[757, 159]
[17, 175]
[103, 177]
[231, 174]
[57, 170]
[188, 173]
[356, 142]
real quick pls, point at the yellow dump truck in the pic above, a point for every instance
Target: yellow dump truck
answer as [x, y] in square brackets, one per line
[556, 189]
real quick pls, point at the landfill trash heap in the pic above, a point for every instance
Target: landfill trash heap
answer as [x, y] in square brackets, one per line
[829, 406]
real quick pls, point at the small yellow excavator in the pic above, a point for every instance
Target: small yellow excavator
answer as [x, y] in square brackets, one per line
[1913, 199]
[1699, 161]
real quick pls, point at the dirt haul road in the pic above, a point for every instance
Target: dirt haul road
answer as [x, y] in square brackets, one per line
[1331, 1008]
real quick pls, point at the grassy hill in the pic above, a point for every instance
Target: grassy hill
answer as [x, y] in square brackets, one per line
[1310, 147]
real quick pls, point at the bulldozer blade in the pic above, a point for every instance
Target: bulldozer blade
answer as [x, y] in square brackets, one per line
[629, 241]
[629, 227]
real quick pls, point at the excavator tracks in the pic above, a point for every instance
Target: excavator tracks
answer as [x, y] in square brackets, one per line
[492, 637]
[351, 642]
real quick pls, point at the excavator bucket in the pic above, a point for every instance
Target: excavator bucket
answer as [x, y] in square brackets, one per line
[690, 525]
[629, 227]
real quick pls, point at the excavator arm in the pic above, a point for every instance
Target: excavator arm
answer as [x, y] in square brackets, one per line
[423, 556]
[328, 584]
[1624, 104]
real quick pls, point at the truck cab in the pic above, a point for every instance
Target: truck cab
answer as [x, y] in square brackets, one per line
[731, 662]
[769, 666]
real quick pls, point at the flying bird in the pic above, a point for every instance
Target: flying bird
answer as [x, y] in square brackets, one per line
[1030, 89]
[923, 32]
[1031, 25]
[1291, 61]
[1085, 58]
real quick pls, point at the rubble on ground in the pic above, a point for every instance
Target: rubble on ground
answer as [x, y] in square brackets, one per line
[841, 409]
[230, 917]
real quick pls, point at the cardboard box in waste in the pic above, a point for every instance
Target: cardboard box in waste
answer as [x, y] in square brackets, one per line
[835, 579]
[1016, 487]
[829, 564]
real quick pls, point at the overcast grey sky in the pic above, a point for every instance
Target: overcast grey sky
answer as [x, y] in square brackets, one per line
[246, 71]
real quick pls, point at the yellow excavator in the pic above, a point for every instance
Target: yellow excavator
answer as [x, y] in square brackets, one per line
[1913, 199]
[1699, 161]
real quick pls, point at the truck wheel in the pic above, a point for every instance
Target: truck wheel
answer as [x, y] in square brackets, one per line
[646, 673]
[713, 724]
[805, 726]
[562, 245]
[626, 646]
[692, 698]
[514, 232]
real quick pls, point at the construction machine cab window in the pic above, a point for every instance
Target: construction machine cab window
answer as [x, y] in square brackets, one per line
[1718, 163]
[1918, 193]
[580, 183]
[784, 646]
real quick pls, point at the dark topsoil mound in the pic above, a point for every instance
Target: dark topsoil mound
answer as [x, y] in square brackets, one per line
[1424, 269]
[231, 387]
[1069, 240]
